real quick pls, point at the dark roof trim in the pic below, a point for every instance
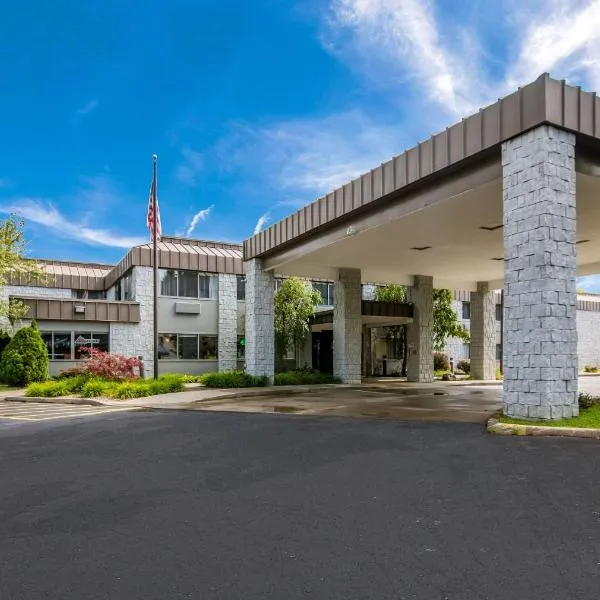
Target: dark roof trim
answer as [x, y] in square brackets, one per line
[545, 100]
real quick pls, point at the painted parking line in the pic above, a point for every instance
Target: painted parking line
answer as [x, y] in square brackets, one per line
[47, 412]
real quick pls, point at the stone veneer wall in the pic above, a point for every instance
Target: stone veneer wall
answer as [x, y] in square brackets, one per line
[347, 326]
[33, 292]
[420, 331]
[540, 297]
[228, 318]
[588, 338]
[483, 333]
[136, 339]
[260, 332]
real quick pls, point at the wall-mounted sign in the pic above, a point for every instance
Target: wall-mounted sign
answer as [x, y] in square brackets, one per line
[83, 341]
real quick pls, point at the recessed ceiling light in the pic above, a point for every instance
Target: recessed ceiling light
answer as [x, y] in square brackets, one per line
[421, 248]
[582, 242]
[493, 228]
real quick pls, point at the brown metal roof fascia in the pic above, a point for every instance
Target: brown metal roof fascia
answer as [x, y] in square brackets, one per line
[373, 308]
[95, 310]
[545, 100]
[588, 305]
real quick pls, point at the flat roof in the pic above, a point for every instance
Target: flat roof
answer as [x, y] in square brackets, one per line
[545, 100]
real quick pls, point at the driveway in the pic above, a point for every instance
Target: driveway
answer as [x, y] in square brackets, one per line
[195, 505]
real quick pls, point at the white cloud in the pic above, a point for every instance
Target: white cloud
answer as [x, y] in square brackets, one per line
[201, 215]
[262, 221]
[192, 165]
[88, 108]
[402, 43]
[46, 214]
[589, 283]
[312, 156]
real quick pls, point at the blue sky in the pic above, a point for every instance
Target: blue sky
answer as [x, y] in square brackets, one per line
[254, 108]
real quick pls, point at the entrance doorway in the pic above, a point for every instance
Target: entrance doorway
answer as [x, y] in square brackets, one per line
[322, 351]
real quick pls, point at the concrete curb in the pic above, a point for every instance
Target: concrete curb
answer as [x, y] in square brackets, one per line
[291, 390]
[494, 426]
[59, 400]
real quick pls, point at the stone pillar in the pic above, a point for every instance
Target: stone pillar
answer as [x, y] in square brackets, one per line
[260, 332]
[367, 351]
[483, 332]
[227, 322]
[304, 353]
[540, 296]
[347, 326]
[420, 332]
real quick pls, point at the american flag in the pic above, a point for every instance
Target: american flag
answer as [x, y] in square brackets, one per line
[150, 218]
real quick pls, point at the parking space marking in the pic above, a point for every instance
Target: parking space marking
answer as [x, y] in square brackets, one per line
[46, 412]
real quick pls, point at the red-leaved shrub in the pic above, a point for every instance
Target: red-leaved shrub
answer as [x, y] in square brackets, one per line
[112, 367]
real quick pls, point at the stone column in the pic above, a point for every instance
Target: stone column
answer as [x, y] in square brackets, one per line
[227, 322]
[260, 332]
[367, 352]
[347, 326]
[420, 332]
[304, 353]
[540, 322]
[483, 332]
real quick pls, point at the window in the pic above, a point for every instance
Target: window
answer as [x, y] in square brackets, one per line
[180, 346]
[466, 310]
[208, 347]
[467, 351]
[67, 345]
[326, 289]
[188, 284]
[498, 351]
[241, 287]
[278, 282]
[241, 347]
[187, 347]
[88, 295]
[168, 283]
[58, 344]
[498, 312]
[86, 339]
[124, 288]
[167, 346]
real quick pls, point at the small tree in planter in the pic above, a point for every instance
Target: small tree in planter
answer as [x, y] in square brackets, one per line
[25, 358]
[295, 303]
[112, 367]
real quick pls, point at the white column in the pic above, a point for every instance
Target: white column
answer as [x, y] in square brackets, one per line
[483, 333]
[260, 332]
[420, 332]
[347, 326]
[227, 322]
[540, 295]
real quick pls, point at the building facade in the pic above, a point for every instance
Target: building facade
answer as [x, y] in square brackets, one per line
[202, 299]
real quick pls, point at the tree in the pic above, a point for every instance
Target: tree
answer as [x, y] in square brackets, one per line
[25, 359]
[13, 264]
[295, 303]
[396, 334]
[445, 320]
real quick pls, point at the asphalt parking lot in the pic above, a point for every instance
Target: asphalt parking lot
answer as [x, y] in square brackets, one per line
[188, 504]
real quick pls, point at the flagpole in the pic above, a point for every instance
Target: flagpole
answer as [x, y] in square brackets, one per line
[155, 267]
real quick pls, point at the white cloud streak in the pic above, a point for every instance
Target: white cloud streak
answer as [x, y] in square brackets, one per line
[201, 215]
[46, 214]
[262, 222]
[88, 108]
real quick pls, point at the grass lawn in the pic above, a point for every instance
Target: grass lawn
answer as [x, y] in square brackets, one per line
[588, 418]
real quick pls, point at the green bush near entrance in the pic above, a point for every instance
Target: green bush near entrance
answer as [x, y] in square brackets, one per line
[304, 378]
[232, 379]
[25, 358]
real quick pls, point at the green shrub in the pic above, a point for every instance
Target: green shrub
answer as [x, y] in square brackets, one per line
[94, 388]
[130, 389]
[25, 358]
[440, 362]
[47, 389]
[4, 340]
[590, 369]
[587, 401]
[499, 375]
[304, 377]
[464, 366]
[232, 379]
[166, 384]
[191, 378]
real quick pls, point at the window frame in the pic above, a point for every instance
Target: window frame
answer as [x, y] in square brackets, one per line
[198, 337]
[466, 305]
[213, 284]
